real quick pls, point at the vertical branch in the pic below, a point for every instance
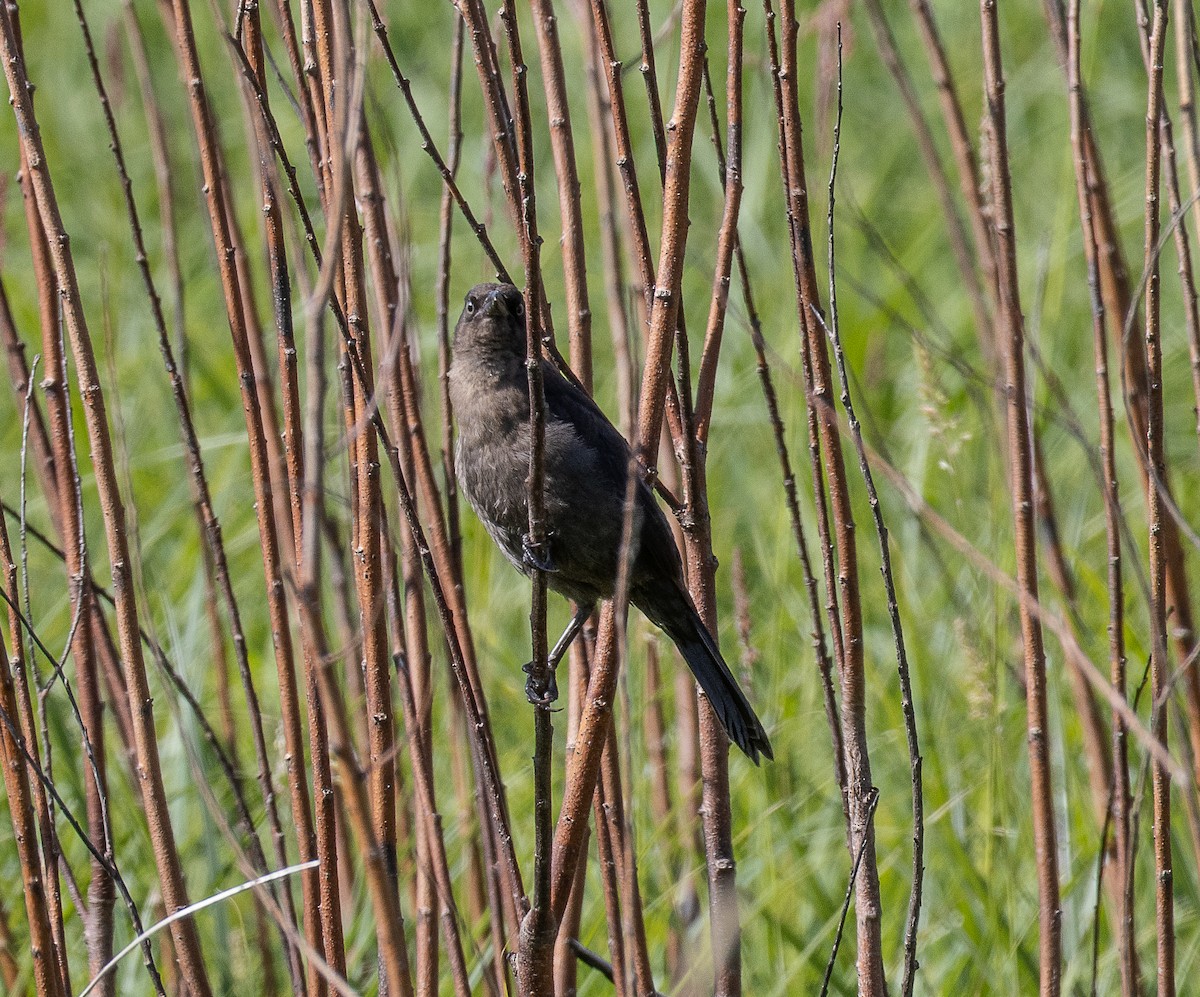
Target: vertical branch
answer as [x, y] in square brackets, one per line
[152, 788]
[584, 765]
[320, 887]
[1020, 483]
[392, 311]
[49, 844]
[1164, 887]
[665, 311]
[1126, 937]
[341, 85]
[825, 447]
[562, 144]
[714, 745]
[535, 959]
[45, 953]
[610, 240]
[885, 554]
[727, 237]
[210, 527]
[1124, 331]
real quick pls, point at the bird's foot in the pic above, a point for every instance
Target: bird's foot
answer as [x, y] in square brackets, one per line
[540, 690]
[537, 555]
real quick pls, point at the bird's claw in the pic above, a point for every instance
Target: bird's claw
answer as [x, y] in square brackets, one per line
[540, 691]
[533, 557]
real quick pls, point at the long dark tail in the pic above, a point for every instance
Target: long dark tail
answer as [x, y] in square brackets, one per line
[699, 650]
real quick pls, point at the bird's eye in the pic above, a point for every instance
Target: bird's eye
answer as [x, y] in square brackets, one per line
[470, 307]
[520, 307]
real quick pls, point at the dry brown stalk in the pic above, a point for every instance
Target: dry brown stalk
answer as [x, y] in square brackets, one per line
[477, 900]
[1164, 887]
[1021, 483]
[46, 962]
[820, 500]
[565, 963]
[562, 144]
[623, 150]
[1175, 208]
[23, 384]
[715, 809]
[392, 318]
[341, 83]
[1185, 52]
[63, 496]
[1125, 335]
[1126, 939]
[828, 465]
[48, 834]
[321, 907]
[210, 527]
[906, 697]
[150, 774]
[535, 953]
[610, 244]
[431, 829]
[584, 765]
[727, 237]
[9, 970]
[639, 974]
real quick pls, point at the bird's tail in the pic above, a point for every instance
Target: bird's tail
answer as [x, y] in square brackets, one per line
[728, 701]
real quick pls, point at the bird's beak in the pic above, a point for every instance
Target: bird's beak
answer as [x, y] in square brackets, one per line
[494, 304]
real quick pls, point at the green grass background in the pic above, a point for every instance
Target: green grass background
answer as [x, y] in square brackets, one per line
[979, 923]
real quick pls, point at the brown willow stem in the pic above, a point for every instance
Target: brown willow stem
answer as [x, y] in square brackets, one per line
[62, 495]
[1164, 886]
[665, 312]
[1122, 317]
[649, 71]
[442, 296]
[562, 144]
[828, 463]
[889, 583]
[320, 887]
[153, 791]
[1126, 938]
[210, 526]
[727, 236]
[717, 818]
[763, 369]
[49, 843]
[535, 954]
[584, 765]
[820, 500]
[1020, 483]
[392, 312]
[343, 82]
[610, 241]
[43, 949]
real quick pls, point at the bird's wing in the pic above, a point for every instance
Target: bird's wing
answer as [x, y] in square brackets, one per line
[612, 456]
[567, 404]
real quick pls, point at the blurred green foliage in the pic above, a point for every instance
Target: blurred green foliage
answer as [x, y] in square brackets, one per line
[979, 923]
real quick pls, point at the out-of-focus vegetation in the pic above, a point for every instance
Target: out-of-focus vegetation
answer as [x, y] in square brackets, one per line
[921, 390]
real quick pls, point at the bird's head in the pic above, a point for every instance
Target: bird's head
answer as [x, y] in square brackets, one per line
[492, 324]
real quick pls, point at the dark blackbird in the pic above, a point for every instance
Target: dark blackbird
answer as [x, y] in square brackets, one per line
[587, 465]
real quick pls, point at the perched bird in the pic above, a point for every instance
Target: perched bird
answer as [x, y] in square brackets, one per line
[587, 464]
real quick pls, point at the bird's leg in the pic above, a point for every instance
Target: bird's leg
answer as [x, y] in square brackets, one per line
[543, 694]
[537, 556]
